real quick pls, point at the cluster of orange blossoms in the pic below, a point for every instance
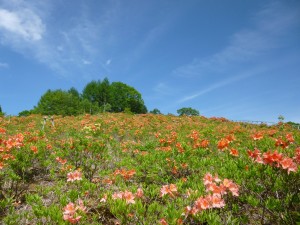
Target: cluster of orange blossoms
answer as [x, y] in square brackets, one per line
[71, 211]
[224, 142]
[196, 142]
[61, 161]
[126, 174]
[214, 199]
[279, 142]
[168, 190]
[15, 141]
[275, 159]
[128, 196]
[72, 176]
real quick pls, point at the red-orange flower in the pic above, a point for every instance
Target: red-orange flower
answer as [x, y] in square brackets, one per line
[2, 130]
[253, 154]
[163, 221]
[34, 149]
[76, 175]
[168, 190]
[257, 136]
[289, 165]
[71, 211]
[281, 143]
[223, 143]
[234, 152]
[290, 138]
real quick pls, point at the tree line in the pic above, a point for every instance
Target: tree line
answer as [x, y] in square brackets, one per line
[97, 96]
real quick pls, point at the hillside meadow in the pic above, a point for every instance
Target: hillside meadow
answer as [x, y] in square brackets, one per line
[117, 168]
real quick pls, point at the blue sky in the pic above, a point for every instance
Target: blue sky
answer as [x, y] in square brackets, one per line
[233, 59]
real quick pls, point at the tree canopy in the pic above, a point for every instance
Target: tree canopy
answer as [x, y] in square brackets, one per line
[155, 111]
[58, 102]
[97, 96]
[188, 111]
[1, 113]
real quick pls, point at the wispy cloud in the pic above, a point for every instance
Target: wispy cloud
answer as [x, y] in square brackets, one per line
[247, 45]
[3, 65]
[221, 84]
[26, 27]
[163, 89]
[86, 62]
[23, 24]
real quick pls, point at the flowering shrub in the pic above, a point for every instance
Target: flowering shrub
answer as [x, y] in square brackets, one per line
[147, 169]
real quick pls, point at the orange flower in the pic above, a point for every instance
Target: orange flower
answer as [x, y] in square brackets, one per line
[1, 165]
[60, 160]
[76, 175]
[297, 155]
[270, 158]
[223, 143]
[70, 211]
[253, 154]
[204, 143]
[230, 138]
[139, 193]
[217, 190]
[163, 221]
[290, 138]
[208, 179]
[217, 201]
[34, 149]
[289, 165]
[234, 152]
[257, 136]
[281, 143]
[70, 208]
[234, 188]
[126, 174]
[2, 131]
[202, 203]
[168, 189]
[129, 197]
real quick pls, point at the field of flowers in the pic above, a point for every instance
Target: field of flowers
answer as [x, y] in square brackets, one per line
[147, 169]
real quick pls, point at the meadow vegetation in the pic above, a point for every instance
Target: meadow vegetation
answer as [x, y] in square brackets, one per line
[118, 168]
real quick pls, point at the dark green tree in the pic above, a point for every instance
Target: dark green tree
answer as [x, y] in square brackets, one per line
[188, 111]
[25, 113]
[155, 111]
[91, 91]
[97, 92]
[104, 90]
[73, 91]
[58, 102]
[1, 113]
[123, 96]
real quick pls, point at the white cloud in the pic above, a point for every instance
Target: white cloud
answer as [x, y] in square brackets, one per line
[108, 62]
[24, 24]
[3, 65]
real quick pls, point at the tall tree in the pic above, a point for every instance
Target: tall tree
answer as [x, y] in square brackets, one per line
[1, 113]
[123, 96]
[91, 91]
[58, 102]
[155, 111]
[73, 91]
[188, 111]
